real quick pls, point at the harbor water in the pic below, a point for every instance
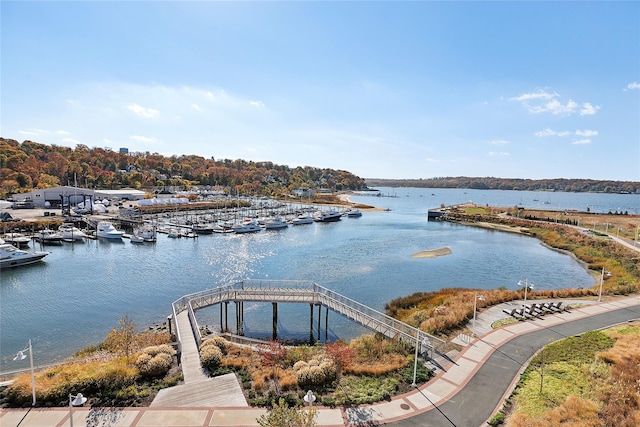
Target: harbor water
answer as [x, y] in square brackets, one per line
[74, 298]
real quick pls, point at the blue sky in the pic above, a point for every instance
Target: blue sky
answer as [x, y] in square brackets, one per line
[381, 89]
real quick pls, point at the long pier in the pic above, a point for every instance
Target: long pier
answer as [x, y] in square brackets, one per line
[289, 291]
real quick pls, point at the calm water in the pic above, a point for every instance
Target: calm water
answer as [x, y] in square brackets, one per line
[82, 290]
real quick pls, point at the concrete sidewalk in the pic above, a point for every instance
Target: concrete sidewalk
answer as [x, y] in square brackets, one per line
[408, 409]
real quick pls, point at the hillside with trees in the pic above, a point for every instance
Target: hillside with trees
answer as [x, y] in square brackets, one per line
[28, 165]
[491, 183]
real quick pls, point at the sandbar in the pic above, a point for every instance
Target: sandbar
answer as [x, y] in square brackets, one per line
[432, 253]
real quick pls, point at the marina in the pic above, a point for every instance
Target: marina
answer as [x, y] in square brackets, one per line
[78, 293]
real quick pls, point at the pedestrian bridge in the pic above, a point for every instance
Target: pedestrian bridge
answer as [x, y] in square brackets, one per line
[290, 291]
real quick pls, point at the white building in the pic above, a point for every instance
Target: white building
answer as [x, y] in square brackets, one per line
[67, 195]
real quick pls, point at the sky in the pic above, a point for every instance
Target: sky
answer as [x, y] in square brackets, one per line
[415, 89]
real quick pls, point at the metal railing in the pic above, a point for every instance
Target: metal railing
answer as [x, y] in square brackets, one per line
[304, 292]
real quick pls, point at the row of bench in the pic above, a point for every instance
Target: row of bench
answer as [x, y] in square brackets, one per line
[535, 310]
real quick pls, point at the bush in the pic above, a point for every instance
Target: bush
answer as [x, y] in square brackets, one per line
[210, 356]
[155, 361]
[217, 341]
[319, 370]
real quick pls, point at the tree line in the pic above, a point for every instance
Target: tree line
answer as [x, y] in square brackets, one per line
[29, 165]
[491, 183]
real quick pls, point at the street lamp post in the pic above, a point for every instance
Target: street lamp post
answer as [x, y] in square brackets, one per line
[77, 400]
[601, 282]
[22, 356]
[476, 297]
[415, 361]
[526, 287]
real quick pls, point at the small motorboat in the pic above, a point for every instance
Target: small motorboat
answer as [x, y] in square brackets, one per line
[10, 256]
[106, 230]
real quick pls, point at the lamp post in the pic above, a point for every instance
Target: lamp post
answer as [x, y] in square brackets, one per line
[77, 400]
[415, 361]
[21, 356]
[309, 398]
[476, 297]
[526, 287]
[601, 282]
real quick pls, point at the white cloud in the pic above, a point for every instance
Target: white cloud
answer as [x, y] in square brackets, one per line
[581, 141]
[551, 132]
[196, 107]
[498, 153]
[541, 94]
[70, 141]
[256, 103]
[62, 132]
[545, 102]
[546, 132]
[499, 142]
[142, 111]
[588, 109]
[29, 133]
[554, 107]
[587, 133]
[143, 138]
[632, 86]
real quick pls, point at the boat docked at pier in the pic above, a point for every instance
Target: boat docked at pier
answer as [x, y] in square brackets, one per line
[275, 224]
[327, 216]
[10, 256]
[48, 237]
[106, 230]
[17, 239]
[247, 227]
[302, 219]
[71, 233]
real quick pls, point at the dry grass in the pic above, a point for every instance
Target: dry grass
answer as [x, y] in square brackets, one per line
[600, 390]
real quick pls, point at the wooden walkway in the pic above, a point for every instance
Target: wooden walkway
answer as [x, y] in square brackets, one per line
[198, 389]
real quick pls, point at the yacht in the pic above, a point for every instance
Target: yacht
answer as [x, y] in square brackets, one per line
[328, 216]
[223, 227]
[48, 237]
[246, 227]
[16, 239]
[203, 228]
[10, 256]
[71, 233]
[354, 213]
[302, 219]
[275, 224]
[107, 230]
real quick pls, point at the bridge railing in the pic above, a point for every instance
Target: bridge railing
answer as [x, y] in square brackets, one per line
[409, 332]
[319, 295]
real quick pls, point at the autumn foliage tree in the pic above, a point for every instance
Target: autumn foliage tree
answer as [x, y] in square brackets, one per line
[341, 354]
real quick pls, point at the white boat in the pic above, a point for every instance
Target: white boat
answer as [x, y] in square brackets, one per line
[302, 219]
[71, 233]
[328, 216]
[223, 228]
[108, 231]
[16, 239]
[48, 237]
[246, 227]
[147, 232]
[203, 228]
[136, 238]
[275, 224]
[10, 256]
[354, 213]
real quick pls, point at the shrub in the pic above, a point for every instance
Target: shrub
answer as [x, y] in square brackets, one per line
[210, 356]
[155, 361]
[217, 341]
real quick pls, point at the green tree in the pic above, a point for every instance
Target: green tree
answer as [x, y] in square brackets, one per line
[282, 415]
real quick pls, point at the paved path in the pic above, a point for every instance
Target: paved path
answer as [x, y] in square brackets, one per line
[466, 393]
